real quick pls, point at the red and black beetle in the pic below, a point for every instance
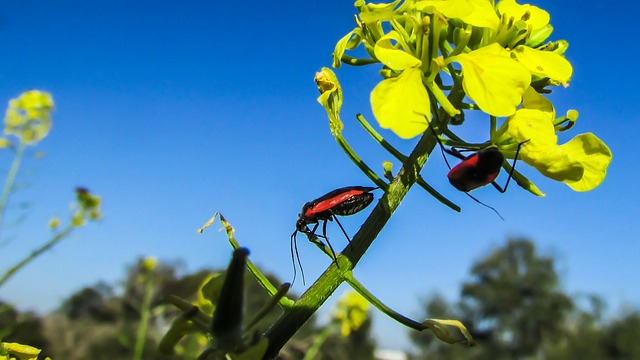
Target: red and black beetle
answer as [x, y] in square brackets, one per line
[479, 169]
[340, 202]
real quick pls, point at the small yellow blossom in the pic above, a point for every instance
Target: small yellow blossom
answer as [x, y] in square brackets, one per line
[29, 116]
[352, 310]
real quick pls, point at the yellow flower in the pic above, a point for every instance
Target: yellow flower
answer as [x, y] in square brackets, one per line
[371, 13]
[534, 16]
[330, 97]
[474, 12]
[544, 64]
[18, 351]
[28, 116]
[493, 79]
[580, 163]
[148, 263]
[400, 103]
[352, 310]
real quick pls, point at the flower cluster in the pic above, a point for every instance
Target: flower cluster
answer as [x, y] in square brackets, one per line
[28, 117]
[444, 57]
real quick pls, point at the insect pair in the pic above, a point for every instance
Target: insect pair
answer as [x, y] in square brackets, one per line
[476, 170]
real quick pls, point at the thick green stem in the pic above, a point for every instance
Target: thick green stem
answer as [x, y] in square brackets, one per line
[319, 292]
[7, 275]
[11, 178]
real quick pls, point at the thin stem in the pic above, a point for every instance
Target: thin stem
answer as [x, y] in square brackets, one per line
[442, 99]
[285, 302]
[144, 318]
[319, 292]
[318, 341]
[349, 60]
[357, 286]
[9, 273]
[492, 128]
[361, 164]
[267, 307]
[11, 178]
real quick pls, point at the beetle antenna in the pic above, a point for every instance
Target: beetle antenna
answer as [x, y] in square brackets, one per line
[294, 245]
[483, 204]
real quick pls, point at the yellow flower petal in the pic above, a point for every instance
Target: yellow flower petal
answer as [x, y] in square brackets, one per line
[494, 80]
[555, 163]
[350, 42]
[581, 163]
[402, 104]
[533, 100]
[544, 63]
[474, 12]
[395, 58]
[453, 9]
[536, 17]
[483, 15]
[533, 126]
[375, 12]
[594, 156]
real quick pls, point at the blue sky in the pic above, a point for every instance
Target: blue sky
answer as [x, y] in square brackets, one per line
[172, 111]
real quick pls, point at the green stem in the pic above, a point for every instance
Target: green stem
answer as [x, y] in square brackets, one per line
[492, 128]
[312, 353]
[191, 313]
[267, 307]
[361, 164]
[145, 314]
[9, 273]
[357, 61]
[9, 182]
[357, 286]
[441, 98]
[319, 292]
[400, 156]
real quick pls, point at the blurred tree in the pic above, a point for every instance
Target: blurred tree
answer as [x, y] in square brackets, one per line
[621, 337]
[583, 336]
[90, 303]
[514, 302]
[25, 328]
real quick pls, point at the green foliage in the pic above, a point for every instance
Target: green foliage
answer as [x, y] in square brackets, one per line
[516, 309]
